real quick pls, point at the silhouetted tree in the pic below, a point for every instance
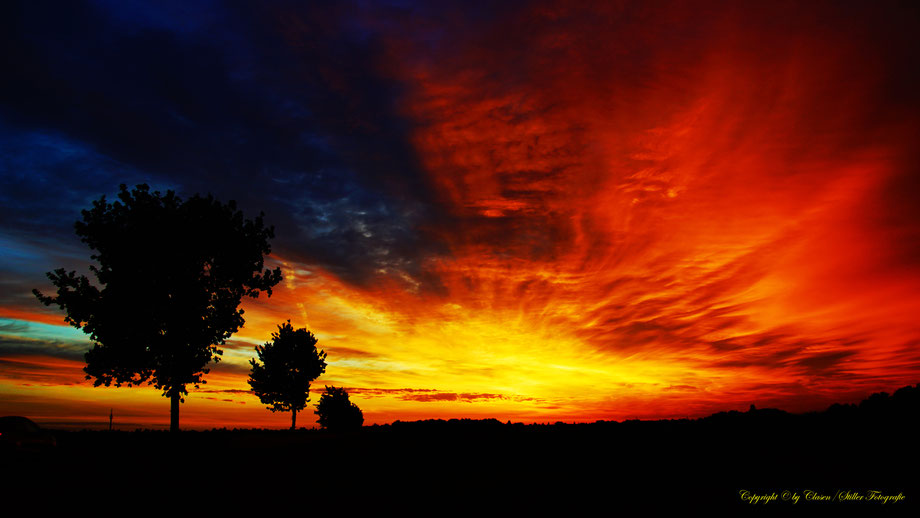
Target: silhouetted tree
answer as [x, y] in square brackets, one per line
[290, 362]
[170, 277]
[336, 412]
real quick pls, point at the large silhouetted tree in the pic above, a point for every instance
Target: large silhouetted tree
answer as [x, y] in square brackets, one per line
[169, 279]
[289, 363]
[336, 412]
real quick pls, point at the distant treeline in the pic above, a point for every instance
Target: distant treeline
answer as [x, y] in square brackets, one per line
[879, 408]
[903, 405]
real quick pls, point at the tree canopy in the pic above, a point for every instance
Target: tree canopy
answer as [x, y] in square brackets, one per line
[336, 412]
[169, 279]
[289, 363]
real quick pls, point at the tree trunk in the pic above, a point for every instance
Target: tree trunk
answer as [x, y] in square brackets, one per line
[293, 419]
[174, 411]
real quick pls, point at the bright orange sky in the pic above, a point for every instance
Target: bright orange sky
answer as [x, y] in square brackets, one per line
[650, 212]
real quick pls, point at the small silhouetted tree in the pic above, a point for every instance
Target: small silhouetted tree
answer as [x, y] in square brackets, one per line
[289, 363]
[336, 412]
[169, 279]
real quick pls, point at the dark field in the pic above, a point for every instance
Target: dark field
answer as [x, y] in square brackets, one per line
[490, 466]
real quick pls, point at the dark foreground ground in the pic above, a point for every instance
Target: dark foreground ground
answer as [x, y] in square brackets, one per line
[487, 468]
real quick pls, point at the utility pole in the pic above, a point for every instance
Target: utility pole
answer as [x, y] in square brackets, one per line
[110, 418]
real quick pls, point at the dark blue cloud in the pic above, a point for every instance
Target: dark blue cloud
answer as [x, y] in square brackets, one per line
[47, 178]
[283, 108]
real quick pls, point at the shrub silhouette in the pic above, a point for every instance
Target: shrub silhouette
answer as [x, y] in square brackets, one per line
[169, 280]
[290, 362]
[336, 412]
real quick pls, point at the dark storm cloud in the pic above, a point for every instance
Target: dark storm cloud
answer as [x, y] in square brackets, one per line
[282, 108]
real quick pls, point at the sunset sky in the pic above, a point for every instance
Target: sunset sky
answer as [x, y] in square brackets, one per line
[532, 211]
